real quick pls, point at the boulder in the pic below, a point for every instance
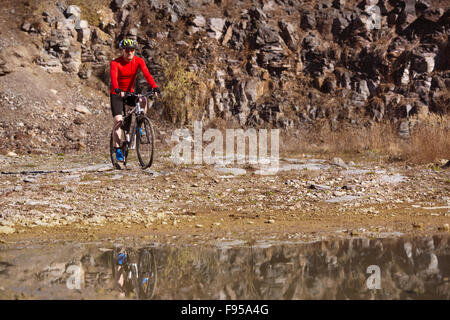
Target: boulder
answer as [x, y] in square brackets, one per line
[119, 4]
[310, 42]
[72, 60]
[432, 14]
[405, 110]
[199, 21]
[408, 13]
[73, 10]
[338, 162]
[49, 63]
[403, 129]
[4, 69]
[216, 26]
[82, 109]
[84, 35]
[308, 20]
[272, 56]
[228, 35]
[403, 79]
[26, 26]
[343, 78]
[81, 24]
[339, 4]
[266, 35]
[421, 6]
[363, 89]
[328, 85]
[377, 109]
[70, 23]
[238, 37]
[100, 37]
[254, 89]
[257, 14]
[438, 83]
[132, 33]
[288, 34]
[85, 71]
[423, 62]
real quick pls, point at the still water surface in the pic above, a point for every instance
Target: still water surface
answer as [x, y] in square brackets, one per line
[402, 268]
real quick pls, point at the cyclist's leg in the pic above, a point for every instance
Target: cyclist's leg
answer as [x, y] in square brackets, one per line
[118, 132]
[117, 110]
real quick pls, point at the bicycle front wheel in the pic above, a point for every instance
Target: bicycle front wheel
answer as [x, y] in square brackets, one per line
[145, 142]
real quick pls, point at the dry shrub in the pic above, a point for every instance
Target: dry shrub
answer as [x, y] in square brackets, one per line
[377, 137]
[181, 92]
[89, 9]
[430, 140]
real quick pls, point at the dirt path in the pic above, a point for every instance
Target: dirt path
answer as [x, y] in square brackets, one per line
[80, 197]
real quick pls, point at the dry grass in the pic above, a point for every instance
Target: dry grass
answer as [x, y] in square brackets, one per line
[181, 98]
[429, 141]
[90, 9]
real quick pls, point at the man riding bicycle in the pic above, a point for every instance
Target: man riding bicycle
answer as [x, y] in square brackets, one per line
[123, 75]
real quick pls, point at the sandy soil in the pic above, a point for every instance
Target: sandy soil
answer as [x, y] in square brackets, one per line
[80, 197]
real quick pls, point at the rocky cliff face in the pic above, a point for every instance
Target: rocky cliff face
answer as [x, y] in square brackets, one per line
[284, 63]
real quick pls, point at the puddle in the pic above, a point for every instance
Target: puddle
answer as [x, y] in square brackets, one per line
[393, 179]
[271, 167]
[231, 171]
[402, 268]
[343, 199]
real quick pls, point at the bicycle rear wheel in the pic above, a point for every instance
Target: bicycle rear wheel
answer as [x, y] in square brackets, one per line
[147, 274]
[145, 142]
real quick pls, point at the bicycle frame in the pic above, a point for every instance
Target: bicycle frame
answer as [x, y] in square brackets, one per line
[137, 110]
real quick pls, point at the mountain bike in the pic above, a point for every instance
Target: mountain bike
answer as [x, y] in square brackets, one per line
[138, 132]
[135, 274]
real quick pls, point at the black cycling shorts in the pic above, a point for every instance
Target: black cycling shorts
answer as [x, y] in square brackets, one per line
[117, 103]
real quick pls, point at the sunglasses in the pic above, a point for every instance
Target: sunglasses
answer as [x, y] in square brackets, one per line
[129, 50]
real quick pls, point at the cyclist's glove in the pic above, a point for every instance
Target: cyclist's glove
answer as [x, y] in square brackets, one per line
[118, 90]
[157, 90]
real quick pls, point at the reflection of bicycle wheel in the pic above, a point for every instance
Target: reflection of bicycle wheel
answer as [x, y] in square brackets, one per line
[134, 280]
[147, 274]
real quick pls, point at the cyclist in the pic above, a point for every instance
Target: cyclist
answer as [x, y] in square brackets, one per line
[123, 75]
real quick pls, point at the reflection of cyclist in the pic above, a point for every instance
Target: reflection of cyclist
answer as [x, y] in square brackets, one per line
[134, 272]
[123, 75]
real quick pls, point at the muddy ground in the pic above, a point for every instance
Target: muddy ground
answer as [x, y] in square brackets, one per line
[80, 197]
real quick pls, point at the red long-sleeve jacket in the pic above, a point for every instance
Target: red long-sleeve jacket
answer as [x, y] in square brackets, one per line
[123, 74]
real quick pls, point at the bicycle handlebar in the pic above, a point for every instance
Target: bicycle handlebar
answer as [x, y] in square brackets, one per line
[150, 93]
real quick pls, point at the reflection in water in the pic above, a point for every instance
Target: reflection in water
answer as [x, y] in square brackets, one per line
[408, 269]
[134, 271]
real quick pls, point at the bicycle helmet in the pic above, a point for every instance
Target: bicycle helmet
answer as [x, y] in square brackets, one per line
[127, 44]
